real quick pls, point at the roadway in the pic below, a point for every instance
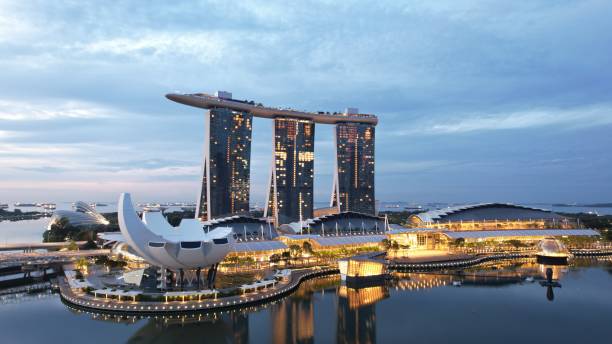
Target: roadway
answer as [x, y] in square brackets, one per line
[47, 257]
[29, 246]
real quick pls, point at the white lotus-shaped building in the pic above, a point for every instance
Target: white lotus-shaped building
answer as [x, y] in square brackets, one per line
[184, 247]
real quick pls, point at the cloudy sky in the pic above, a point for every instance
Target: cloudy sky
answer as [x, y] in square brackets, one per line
[478, 101]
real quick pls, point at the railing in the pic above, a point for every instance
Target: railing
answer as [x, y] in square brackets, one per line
[83, 301]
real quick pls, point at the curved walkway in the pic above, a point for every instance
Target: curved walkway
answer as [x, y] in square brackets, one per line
[482, 259]
[455, 263]
[87, 302]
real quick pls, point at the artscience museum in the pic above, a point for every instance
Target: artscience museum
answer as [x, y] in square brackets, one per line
[185, 248]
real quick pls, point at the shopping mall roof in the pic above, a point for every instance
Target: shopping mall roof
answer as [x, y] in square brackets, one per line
[337, 240]
[301, 236]
[404, 230]
[349, 240]
[486, 212]
[520, 233]
[331, 219]
[256, 246]
[234, 219]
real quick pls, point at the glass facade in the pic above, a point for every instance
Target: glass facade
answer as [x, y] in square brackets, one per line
[291, 187]
[354, 184]
[226, 172]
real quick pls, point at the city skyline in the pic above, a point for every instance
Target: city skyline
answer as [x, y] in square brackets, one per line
[470, 109]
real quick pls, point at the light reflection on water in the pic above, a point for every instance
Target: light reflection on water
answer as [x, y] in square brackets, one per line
[495, 303]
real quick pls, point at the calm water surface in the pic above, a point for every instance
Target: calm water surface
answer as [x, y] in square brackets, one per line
[494, 304]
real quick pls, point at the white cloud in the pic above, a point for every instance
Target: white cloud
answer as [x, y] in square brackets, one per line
[206, 47]
[166, 171]
[410, 166]
[11, 110]
[37, 150]
[12, 25]
[567, 118]
[5, 134]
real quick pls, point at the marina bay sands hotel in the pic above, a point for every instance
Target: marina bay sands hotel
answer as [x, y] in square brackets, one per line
[227, 156]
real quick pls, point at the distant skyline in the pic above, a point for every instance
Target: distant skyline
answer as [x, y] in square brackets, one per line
[477, 101]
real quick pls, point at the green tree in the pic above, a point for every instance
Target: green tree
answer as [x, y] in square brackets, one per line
[286, 255]
[81, 264]
[386, 244]
[90, 245]
[394, 245]
[275, 258]
[307, 247]
[295, 250]
[459, 242]
[72, 246]
[515, 243]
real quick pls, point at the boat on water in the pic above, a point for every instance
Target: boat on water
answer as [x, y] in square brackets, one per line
[47, 206]
[18, 205]
[552, 251]
[98, 204]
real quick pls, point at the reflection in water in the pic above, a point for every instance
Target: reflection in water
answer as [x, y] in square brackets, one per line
[292, 321]
[550, 295]
[229, 328]
[298, 318]
[550, 284]
[357, 313]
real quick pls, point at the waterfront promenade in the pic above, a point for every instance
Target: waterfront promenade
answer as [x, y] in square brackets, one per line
[83, 300]
[80, 299]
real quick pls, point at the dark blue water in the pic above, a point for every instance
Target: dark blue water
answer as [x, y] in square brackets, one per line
[493, 304]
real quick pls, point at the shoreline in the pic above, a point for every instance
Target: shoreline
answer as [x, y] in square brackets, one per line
[86, 302]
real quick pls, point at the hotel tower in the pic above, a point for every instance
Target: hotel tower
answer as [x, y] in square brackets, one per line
[290, 196]
[226, 165]
[227, 150]
[353, 188]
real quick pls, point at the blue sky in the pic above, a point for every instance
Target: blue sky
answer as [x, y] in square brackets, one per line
[478, 101]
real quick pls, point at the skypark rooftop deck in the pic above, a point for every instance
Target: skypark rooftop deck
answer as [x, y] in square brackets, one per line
[206, 101]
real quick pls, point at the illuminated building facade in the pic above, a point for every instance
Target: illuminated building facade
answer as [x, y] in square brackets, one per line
[357, 313]
[354, 177]
[226, 167]
[490, 216]
[290, 196]
[293, 320]
[225, 175]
